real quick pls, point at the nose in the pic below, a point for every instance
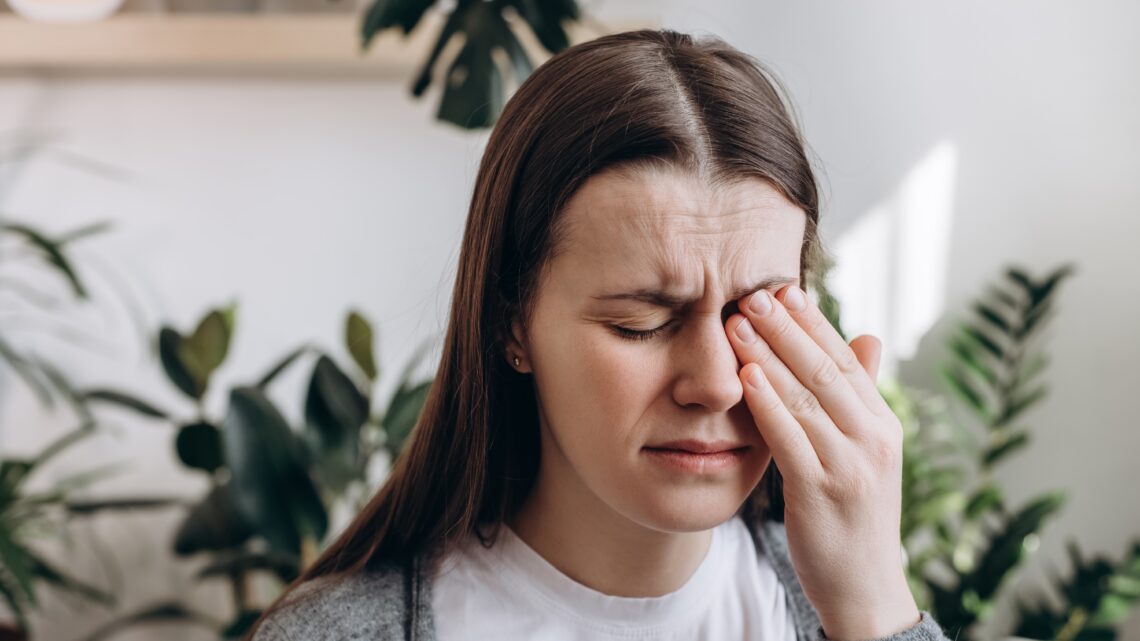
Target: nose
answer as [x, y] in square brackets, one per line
[706, 366]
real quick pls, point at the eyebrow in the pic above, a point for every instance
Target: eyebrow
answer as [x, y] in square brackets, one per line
[664, 299]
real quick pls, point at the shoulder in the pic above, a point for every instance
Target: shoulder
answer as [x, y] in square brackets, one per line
[370, 604]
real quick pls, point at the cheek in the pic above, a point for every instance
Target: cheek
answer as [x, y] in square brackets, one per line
[598, 386]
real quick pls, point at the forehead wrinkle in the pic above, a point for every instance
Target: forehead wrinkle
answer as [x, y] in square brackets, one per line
[659, 234]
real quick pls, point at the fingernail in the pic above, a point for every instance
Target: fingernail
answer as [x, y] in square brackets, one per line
[794, 298]
[755, 378]
[760, 303]
[745, 332]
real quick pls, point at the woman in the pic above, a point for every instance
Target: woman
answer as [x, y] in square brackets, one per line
[628, 356]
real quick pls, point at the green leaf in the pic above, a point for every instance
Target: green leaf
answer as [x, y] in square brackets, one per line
[1007, 299]
[403, 412]
[1022, 280]
[52, 576]
[1043, 291]
[983, 500]
[450, 28]
[204, 350]
[53, 253]
[214, 523]
[971, 359]
[125, 400]
[26, 371]
[1021, 403]
[1004, 448]
[358, 339]
[61, 444]
[1035, 320]
[83, 232]
[16, 560]
[87, 507]
[1006, 549]
[199, 446]
[965, 390]
[1113, 609]
[507, 41]
[271, 486]
[390, 13]
[335, 411]
[980, 338]
[16, 603]
[169, 351]
[473, 92]
[1027, 371]
[12, 474]
[993, 317]
[545, 19]
[281, 366]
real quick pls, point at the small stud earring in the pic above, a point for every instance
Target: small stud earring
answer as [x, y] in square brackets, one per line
[516, 361]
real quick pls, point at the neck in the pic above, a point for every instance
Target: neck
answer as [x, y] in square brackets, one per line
[588, 541]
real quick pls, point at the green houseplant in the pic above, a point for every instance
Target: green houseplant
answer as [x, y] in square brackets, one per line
[474, 91]
[963, 542]
[29, 515]
[271, 485]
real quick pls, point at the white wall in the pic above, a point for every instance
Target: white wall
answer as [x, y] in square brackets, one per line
[301, 197]
[1036, 103]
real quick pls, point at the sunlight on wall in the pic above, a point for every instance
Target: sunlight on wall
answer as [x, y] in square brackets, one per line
[890, 273]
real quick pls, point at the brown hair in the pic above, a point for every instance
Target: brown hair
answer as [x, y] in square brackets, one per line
[623, 100]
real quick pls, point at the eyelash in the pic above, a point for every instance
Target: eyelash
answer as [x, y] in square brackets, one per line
[639, 335]
[643, 335]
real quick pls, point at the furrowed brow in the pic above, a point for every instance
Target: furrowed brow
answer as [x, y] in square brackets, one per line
[660, 298]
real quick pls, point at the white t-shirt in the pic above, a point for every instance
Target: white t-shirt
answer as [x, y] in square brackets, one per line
[510, 593]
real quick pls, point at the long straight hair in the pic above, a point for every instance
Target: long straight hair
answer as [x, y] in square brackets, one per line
[646, 97]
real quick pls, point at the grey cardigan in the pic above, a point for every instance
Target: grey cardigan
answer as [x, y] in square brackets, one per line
[392, 603]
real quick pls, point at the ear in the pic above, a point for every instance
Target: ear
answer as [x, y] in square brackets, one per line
[516, 347]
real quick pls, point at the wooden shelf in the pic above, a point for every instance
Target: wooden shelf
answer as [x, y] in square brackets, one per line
[287, 43]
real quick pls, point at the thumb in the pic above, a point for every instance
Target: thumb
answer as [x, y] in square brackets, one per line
[868, 350]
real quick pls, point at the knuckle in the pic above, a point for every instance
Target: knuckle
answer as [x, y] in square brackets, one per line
[770, 405]
[825, 374]
[847, 361]
[782, 326]
[885, 450]
[812, 319]
[804, 403]
[763, 355]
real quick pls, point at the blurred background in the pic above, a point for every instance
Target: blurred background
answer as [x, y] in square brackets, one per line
[229, 229]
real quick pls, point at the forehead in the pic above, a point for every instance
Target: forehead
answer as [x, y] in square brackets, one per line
[667, 223]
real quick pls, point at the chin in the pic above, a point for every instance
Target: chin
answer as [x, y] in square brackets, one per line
[689, 510]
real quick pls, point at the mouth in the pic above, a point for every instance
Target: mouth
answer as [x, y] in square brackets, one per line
[693, 446]
[698, 457]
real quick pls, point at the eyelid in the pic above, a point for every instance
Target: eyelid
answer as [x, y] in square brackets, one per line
[630, 334]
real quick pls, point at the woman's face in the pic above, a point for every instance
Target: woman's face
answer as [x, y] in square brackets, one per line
[662, 254]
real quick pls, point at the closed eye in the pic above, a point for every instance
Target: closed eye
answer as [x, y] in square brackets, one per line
[639, 334]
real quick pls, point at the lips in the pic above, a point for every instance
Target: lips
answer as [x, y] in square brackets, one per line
[698, 447]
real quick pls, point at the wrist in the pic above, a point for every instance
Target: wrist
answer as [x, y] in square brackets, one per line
[889, 615]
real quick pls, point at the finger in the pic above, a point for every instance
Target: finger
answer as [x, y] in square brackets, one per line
[789, 443]
[808, 343]
[796, 400]
[821, 360]
[869, 351]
